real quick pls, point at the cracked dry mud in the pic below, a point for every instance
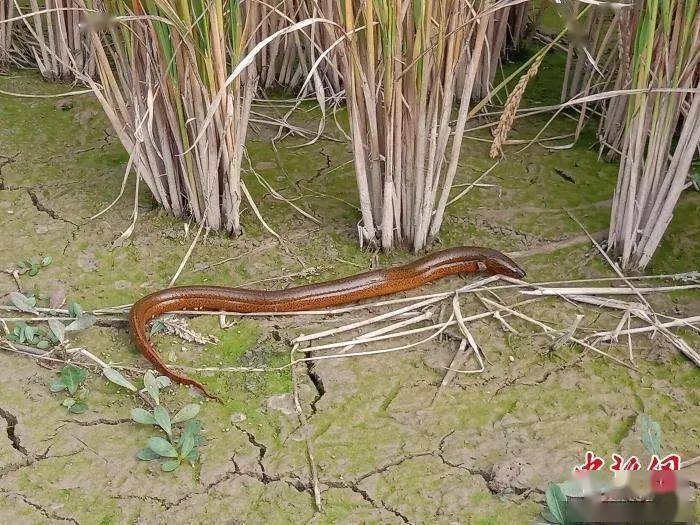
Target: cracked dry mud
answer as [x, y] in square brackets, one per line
[482, 452]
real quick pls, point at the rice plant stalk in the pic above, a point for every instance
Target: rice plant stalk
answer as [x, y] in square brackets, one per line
[160, 66]
[290, 59]
[7, 9]
[402, 74]
[56, 40]
[661, 135]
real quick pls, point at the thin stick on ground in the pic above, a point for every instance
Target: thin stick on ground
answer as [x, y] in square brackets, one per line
[307, 433]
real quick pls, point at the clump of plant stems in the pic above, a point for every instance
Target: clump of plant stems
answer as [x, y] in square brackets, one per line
[53, 34]
[7, 12]
[293, 61]
[662, 135]
[406, 64]
[505, 30]
[646, 56]
[164, 73]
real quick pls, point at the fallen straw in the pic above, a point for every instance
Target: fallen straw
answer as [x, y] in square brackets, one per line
[611, 335]
[551, 331]
[388, 315]
[608, 290]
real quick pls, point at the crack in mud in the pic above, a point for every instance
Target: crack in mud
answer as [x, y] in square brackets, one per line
[45, 209]
[53, 214]
[322, 170]
[528, 239]
[264, 478]
[538, 381]
[31, 459]
[376, 503]
[486, 474]
[49, 514]
[4, 161]
[262, 450]
[316, 380]
[160, 501]
[12, 422]
[95, 422]
[296, 483]
[384, 468]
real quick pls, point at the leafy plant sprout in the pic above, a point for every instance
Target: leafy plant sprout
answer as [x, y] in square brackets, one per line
[33, 265]
[175, 448]
[71, 380]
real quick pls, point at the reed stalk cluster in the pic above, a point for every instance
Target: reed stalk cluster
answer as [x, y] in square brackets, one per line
[51, 36]
[652, 49]
[164, 71]
[406, 65]
[661, 135]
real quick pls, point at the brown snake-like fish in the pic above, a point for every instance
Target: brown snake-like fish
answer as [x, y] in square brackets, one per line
[466, 259]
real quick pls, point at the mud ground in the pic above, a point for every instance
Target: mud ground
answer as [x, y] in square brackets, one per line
[482, 453]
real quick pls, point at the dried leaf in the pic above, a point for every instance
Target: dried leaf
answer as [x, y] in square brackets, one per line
[58, 297]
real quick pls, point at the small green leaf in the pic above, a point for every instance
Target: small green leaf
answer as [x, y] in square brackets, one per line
[117, 378]
[149, 381]
[46, 260]
[72, 376]
[23, 303]
[169, 466]
[58, 385]
[57, 329]
[162, 418]
[192, 429]
[193, 455]
[186, 445]
[74, 309]
[142, 416]
[163, 382]
[157, 327]
[556, 503]
[68, 402]
[43, 344]
[146, 454]
[29, 333]
[23, 264]
[651, 435]
[186, 413]
[34, 270]
[81, 323]
[78, 408]
[162, 447]
[34, 260]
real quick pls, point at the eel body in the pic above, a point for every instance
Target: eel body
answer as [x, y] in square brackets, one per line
[466, 259]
